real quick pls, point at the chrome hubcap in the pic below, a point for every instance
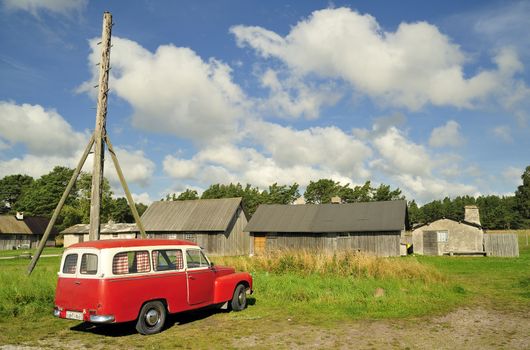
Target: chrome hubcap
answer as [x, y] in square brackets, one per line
[242, 298]
[152, 317]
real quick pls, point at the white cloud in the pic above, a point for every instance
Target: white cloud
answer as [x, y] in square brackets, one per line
[291, 97]
[513, 175]
[180, 168]
[411, 67]
[174, 91]
[43, 132]
[325, 147]
[447, 135]
[63, 7]
[399, 155]
[503, 132]
[424, 189]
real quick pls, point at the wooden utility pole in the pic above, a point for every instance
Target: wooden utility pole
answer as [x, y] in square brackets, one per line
[55, 215]
[99, 132]
[98, 139]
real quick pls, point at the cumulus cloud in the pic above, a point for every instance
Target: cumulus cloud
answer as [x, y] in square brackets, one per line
[49, 140]
[294, 98]
[411, 67]
[174, 91]
[513, 175]
[503, 132]
[63, 7]
[42, 131]
[447, 135]
[279, 154]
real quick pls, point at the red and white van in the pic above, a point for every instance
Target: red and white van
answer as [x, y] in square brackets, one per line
[143, 279]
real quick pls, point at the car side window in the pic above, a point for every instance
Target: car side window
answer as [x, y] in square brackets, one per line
[195, 259]
[70, 264]
[131, 262]
[169, 259]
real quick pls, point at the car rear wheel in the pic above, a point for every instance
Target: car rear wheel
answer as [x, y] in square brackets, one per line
[152, 317]
[239, 300]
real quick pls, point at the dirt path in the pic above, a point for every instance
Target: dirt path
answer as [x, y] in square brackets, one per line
[464, 328]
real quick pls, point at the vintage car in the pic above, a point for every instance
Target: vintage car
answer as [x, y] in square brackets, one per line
[142, 280]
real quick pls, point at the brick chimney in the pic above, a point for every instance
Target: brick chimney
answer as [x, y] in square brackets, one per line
[336, 200]
[471, 214]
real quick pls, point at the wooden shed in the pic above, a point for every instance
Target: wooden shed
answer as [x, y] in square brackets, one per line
[79, 233]
[214, 224]
[371, 227]
[19, 231]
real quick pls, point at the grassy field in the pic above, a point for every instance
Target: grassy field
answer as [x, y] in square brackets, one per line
[295, 289]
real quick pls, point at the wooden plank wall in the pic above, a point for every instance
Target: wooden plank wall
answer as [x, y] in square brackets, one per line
[7, 243]
[505, 245]
[235, 242]
[380, 243]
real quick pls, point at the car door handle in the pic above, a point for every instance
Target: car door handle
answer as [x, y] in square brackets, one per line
[191, 277]
[77, 282]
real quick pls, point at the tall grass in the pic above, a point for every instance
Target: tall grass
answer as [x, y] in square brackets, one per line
[344, 264]
[27, 296]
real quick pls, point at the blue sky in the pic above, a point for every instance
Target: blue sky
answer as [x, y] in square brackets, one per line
[430, 97]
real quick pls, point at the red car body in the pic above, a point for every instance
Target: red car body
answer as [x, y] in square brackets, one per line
[115, 280]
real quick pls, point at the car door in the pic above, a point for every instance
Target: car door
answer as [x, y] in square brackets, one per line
[200, 277]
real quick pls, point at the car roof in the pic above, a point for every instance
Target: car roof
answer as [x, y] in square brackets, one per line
[125, 243]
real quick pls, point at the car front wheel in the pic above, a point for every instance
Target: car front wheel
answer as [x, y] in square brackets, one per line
[152, 317]
[239, 300]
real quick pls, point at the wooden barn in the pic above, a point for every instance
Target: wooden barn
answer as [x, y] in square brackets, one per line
[371, 227]
[19, 231]
[79, 233]
[215, 224]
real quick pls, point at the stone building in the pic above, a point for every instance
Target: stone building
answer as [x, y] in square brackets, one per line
[447, 236]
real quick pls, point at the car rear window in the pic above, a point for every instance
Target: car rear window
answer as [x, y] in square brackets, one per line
[89, 264]
[70, 264]
[169, 259]
[131, 262]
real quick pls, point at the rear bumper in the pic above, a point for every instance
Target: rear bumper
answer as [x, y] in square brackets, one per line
[101, 318]
[61, 313]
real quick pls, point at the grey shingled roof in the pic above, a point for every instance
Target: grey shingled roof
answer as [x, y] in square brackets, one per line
[9, 224]
[191, 215]
[350, 217]
[103, 228]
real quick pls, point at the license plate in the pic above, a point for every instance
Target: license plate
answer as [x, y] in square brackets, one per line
[73, 315]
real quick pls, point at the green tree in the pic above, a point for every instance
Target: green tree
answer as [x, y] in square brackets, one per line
[41, 196]
[522, 196]
[321, 191]
[384, 193]
[11, 188]
[415, 214]
[281, 194]
[187, 195]
[252, 196]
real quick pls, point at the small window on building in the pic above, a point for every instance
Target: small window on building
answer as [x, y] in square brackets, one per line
[190, 237]
[442, 236]
[195, 259]
[89, 264]
[164, 260]
[172, 236]
[115, 235]
[131, 262]
[70, 264]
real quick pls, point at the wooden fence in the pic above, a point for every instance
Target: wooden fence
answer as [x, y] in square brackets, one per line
[505, 245]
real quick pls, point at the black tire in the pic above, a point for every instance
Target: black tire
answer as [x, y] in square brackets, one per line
[239, 300]
[151, 318]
